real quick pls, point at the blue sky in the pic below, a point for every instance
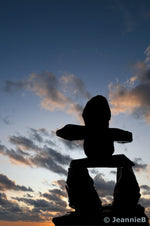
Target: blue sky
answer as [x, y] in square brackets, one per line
[55, 55]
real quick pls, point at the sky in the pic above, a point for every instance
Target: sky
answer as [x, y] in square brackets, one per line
[56, 55]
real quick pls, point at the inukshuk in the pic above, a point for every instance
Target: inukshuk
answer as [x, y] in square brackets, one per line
[99, 148]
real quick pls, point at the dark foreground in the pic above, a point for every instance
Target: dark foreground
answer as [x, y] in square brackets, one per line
[107, 216]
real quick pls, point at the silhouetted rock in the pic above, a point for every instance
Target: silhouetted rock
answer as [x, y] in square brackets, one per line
[126, 191]
[98, 147]
[81, 192]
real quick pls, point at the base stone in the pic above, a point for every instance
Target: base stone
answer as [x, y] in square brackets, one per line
[83, 197]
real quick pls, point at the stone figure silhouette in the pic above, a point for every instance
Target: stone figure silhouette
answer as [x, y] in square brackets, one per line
[99, 148]
[98, 138]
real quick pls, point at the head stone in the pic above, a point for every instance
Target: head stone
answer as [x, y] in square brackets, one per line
[96, 111]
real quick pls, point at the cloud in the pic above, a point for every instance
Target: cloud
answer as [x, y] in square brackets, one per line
[72, 145]
[58, 193]
[145, 202]
[76, 85]
[139, 165]
[7, 184]
[37, 152]
[51, 162]
[61, 184]
[37, 134]
[113, 172]
[11, 211]
[30, 208]
[46, 86]
[17, 155]
[54, 93]
[7, 208]
[146, 189]
[104, 188]
[54, 201]
[41, 205]
[41, 135]
[55, 196]
[132, 97]
[22, 142]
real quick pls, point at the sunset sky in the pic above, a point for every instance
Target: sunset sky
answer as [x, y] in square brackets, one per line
[56, 55]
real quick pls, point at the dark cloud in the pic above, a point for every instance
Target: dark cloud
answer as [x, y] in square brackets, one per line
[57, 194]
[7, 184]
[46, 161]
[53, 201]
[58, 157]
[23, 142]
[53, 92]
[72, 145]
[113, 172]
[5, 204]
[55, 197]
[30, 208]
[61, 184]
[104, 188]
[11, 211]
[28, 195]
[146, 189]
[16, 155]
[28, 152]
[145, 202]
[139, 165]
[43, 152]
[36, 135]
[40, 204]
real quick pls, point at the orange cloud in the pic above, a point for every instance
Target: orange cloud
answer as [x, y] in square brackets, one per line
[122, 99]
[132, 97]
[55, 93]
